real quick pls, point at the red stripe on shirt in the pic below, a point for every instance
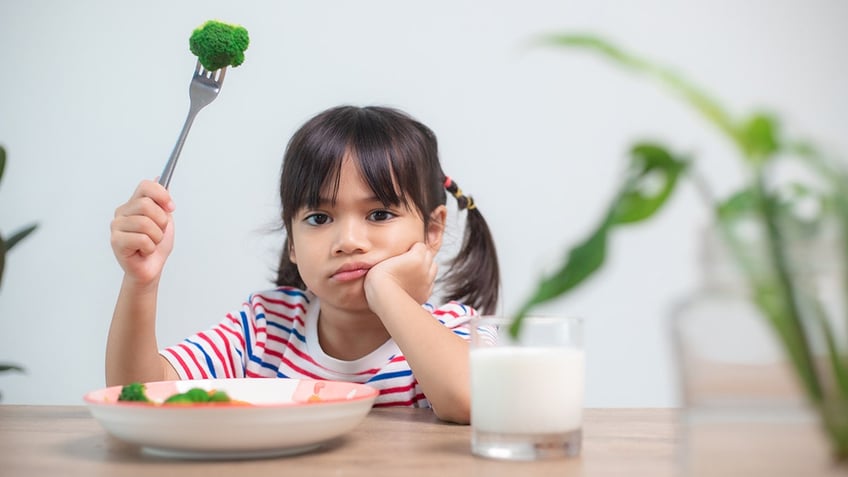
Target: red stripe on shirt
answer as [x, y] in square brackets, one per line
[398, 389]
[182, 363]
[233, 332]
[278, 314]
[194, 358]
[407, 403]
[291, 365]
[282, 302]
[229, 351]
[446, 312]
[227, 373]
[292, 348]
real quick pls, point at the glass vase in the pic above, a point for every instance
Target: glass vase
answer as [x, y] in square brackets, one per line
[745, 410]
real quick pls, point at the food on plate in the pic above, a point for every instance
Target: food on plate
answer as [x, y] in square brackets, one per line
[137, 392]
[197, 395]
[315, 391]
[133, 392]
[217, 44]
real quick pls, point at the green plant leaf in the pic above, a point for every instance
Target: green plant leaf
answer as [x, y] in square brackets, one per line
[655, 173]
[759, 137]
[2, 259]
[741, 203]
[4, 367]
[7, 244]
[2, 161]
[699, 100]
[583, 260]
[19, 235]
[836, 358]
[651, 178]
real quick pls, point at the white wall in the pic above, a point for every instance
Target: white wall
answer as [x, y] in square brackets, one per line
[93, 93]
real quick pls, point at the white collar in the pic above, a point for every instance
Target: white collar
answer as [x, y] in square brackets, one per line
[374, 360]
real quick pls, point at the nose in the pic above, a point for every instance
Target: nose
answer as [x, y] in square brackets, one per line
[352, 237]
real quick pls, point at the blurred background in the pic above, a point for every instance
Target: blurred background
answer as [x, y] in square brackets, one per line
[93, 94]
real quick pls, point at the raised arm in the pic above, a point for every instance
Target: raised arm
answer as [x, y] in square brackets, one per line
[142, 236]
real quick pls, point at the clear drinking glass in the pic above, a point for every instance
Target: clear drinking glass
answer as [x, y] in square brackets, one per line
[527, 393]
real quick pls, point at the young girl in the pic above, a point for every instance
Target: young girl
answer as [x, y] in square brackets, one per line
[363, 204]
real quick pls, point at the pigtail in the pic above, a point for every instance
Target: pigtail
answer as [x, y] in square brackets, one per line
[473, 275]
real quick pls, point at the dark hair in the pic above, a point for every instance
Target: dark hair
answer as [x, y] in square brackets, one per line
[391, 149]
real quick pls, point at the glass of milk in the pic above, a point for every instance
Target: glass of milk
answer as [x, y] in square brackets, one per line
[526, 392]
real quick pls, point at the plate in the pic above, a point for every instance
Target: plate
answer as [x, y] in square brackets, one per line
[283, 417]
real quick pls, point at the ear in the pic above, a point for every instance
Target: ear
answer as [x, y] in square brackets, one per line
[436, 227]
[292, 256]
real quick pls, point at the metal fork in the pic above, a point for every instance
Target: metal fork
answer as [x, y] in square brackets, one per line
[203, 89]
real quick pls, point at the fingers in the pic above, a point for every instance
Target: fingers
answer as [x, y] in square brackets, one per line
[139, 224]
[424, 256]
[136, 233]
[150, 193]
[149, 200]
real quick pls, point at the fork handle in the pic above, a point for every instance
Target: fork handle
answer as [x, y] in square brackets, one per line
[165, 178]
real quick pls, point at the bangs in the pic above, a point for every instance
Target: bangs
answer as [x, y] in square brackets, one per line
[382, 152]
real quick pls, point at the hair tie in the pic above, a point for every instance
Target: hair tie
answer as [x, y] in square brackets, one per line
[463, 201]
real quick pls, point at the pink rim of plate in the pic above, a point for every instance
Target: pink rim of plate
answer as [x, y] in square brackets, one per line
[327, 392]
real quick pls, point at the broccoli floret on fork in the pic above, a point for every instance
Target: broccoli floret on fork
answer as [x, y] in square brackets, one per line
[217, 44]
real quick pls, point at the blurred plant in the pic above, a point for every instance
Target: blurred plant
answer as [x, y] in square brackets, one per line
[6, 245]
[766, 258]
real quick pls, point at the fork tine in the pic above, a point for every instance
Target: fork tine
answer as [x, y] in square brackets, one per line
[221, 73]
[197, 68]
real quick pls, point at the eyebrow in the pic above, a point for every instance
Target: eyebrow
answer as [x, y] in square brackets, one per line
[324, 201]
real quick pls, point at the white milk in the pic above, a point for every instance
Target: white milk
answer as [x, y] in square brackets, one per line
[527, 390]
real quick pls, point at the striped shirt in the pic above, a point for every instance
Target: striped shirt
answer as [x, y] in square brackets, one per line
[275, 335]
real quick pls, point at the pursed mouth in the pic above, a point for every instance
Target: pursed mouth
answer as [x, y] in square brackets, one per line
[351, 272]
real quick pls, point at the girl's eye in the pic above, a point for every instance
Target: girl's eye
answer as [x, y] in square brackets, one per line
[317, 219]
[380, 215]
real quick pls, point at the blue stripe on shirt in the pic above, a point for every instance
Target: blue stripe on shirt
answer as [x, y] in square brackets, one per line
[290, 331]
[250, 356]
[241, 360]
[293, 292]
[396, 374]
[208, 358]
[298, 336]
[245, 328]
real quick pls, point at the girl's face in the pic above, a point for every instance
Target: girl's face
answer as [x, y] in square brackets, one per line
[335, 244]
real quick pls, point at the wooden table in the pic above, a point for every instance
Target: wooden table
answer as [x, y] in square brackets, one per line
[67, 441]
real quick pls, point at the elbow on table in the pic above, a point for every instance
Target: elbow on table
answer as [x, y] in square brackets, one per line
[457, 411]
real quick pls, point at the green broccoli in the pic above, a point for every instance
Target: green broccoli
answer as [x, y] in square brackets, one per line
[198, 395]
[138, 392]
[218, 44]
[219, 396]
[133, 392]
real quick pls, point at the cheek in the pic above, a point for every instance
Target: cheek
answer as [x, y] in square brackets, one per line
[294, 247]
[403, 238]
[299, 247]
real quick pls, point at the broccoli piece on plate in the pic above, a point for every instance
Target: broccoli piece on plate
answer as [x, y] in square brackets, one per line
[219, 396]
[133, 392]
[218, 44]
[198, 395]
